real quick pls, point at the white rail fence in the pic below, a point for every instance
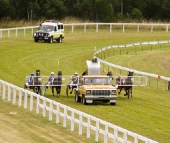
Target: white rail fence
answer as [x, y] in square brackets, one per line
[73, 26]
[157, 77]
[62, 113]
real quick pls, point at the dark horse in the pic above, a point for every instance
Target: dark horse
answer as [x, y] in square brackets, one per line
[35, 83]
[57, 83]
[126, 85]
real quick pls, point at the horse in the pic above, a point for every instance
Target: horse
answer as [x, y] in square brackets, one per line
[35, 83]
[57, 81]
[125, 84]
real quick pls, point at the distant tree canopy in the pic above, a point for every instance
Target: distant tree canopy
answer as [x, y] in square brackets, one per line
[94, 10]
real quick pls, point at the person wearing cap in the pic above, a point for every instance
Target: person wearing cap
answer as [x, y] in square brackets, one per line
[29, 79]
[74, 78]
[50, 79]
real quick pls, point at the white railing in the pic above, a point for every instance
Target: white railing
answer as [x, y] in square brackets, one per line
[127, 69]
[84, 25]
[62, 113]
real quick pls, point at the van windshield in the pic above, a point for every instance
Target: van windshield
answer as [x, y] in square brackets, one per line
[97, 81]
[46, 28]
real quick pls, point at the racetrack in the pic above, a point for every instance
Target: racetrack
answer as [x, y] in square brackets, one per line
[144, 114]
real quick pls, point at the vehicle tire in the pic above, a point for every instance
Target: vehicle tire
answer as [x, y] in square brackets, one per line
[77, 97]
[84, 100]
[112, 103]
[35, 40]
[59, 39]
[51, 40]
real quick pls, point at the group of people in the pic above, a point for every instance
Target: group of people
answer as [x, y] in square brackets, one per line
[74, 79]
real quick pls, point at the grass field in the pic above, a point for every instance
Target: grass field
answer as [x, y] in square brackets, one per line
[146, 113]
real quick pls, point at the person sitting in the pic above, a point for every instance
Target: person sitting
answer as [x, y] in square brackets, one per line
[74, 80]
[50, 79]
[29, 80]
[118, 81]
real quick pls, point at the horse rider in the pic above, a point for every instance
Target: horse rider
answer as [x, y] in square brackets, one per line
[50, 79]
[29, 79]
[118, 81]
[74, 78]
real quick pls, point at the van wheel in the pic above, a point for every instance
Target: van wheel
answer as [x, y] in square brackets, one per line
[77, 97]
[35, 40]
[84, 100]
[59, 39]
[51, 40]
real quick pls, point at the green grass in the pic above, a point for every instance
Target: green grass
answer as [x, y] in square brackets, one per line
[146, 113]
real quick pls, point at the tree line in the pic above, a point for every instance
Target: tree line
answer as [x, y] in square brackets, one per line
[93, 10]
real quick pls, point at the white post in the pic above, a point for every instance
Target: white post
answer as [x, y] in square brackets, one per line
[31, 102]
[4, 90]
[14, 95]
[72, 120]
[50, 112]
[44, 107]
[88, 126]
[37, 106]
[24, 32]
[65, 116]
[151, 28]
[25, 99]
[115, 134]
[138, 28]
[167, 29]
[110, 28]
[123, 28]
[58, 114]
[16, 32]
[106, 132]
[20, 97]
[8, 33]
[72, 28]
[84, 27]
[97, 131]
[96, 27]
[80, 124]
[32, 31]
[9, 92]
[125, 136]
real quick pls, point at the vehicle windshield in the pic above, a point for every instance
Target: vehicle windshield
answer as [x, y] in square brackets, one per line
[46, 28]
[96, 81]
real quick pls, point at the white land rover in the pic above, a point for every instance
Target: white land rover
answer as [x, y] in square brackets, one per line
[50, 30]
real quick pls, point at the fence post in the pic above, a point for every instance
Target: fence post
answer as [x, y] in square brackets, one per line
[65, 116]
[138, 28]
[167, 29]
[25, 100]
[84, 27]
[14, 95]
[72, 28]
[9, 92]
[97, 131]
[80, 124]
[4, 90]
[88, 127]
[110, 28]
[72, 120]
[96, 27]
[31, 102]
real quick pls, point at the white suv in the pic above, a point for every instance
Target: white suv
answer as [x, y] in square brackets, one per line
[50, 30]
